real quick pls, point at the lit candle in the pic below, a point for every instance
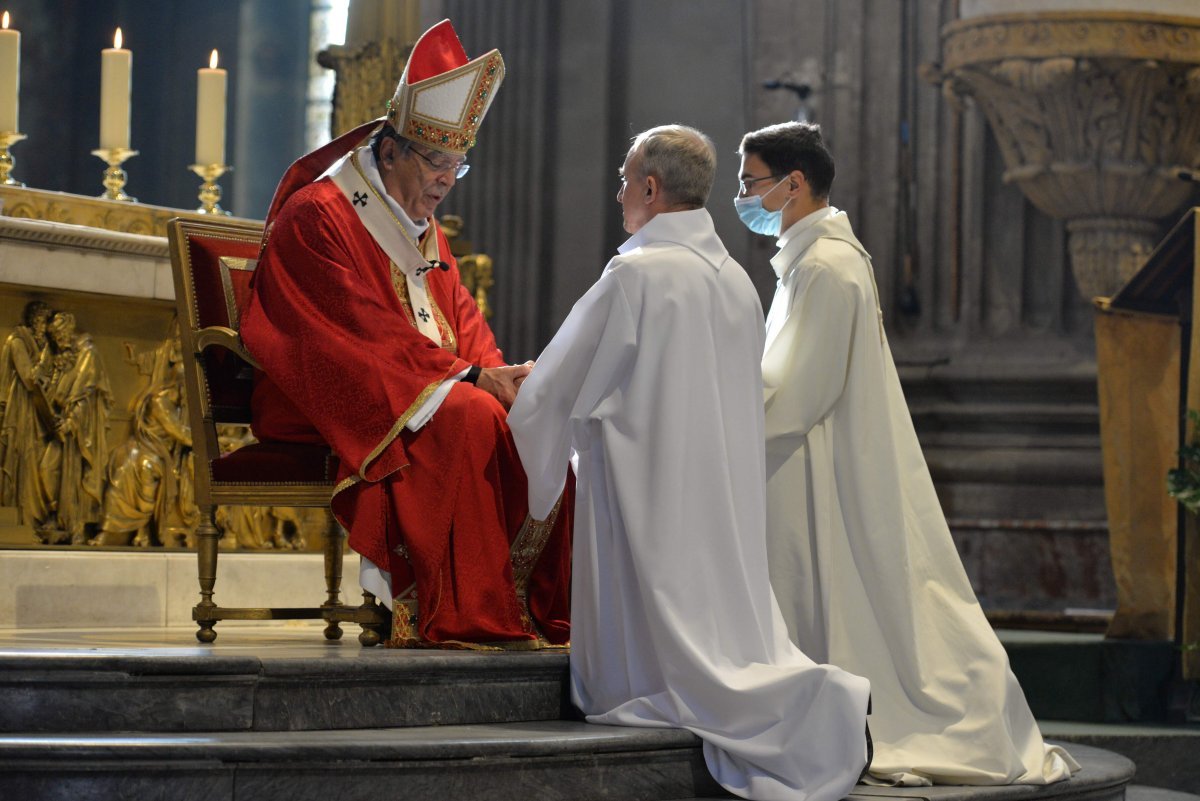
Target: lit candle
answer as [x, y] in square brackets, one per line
[10, 77]
[116, 67]
[210, 114]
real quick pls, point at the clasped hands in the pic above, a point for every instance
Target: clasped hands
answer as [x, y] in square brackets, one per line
[502, 383]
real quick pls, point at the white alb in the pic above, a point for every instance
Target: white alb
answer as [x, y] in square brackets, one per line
[654, 381]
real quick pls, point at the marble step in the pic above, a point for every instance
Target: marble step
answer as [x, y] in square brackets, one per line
[337, 687]
[544, 760]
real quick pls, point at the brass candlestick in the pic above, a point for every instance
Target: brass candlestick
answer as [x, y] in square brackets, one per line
[114, 176]
[210, 190]
[7, 140]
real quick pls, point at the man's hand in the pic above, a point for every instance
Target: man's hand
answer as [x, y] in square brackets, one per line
[521, 380]
[501, 382]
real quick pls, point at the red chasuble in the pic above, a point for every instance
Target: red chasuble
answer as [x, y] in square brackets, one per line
[444, 509]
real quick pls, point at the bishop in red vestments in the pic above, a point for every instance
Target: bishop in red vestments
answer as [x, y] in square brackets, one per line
[368, 341]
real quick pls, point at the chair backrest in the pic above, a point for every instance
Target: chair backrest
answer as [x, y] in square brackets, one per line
[212, 262]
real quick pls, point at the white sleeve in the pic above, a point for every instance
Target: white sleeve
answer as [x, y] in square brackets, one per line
[581, 366]
[805, 369]
[423, 415]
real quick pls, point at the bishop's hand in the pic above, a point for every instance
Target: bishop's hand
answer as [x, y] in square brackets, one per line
[502, 382]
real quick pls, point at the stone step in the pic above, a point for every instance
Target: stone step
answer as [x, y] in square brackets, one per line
[1141, 792]
[318, 686]
[1167, 757]
[552, 760]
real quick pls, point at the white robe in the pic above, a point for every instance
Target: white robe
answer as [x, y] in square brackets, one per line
[654, 381]
[861, 559]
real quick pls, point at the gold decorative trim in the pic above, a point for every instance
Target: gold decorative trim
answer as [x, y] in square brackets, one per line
[405, 624]
[232, 263]
[1090, 34]
[60, 207]
[431, 249]
[528, 546]
[399, 425]
[449, 136]
[400, 286]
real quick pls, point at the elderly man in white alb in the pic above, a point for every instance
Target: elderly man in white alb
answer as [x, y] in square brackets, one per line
[861, 558]
[653, 380]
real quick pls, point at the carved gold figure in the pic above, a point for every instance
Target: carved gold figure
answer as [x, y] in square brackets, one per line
[150, 476]
[72, 465]
[22, 431]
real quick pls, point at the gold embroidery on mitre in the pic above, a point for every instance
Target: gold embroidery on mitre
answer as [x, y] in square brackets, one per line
[449, 135]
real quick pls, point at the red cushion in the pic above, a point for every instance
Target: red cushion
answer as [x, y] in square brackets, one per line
[276, 463]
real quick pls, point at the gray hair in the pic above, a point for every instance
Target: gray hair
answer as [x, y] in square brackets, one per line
[683, 159]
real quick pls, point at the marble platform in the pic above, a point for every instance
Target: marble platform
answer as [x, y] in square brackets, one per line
[101, 588]
[277, 712]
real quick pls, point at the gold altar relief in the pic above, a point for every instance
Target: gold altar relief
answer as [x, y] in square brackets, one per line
[1097, 116]
[149, 498]
[55, 420]
[71, 485]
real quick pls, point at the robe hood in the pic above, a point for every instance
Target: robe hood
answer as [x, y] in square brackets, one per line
[691, 229]
[826, 223]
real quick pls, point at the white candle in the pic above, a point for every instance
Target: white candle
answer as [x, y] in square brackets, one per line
[116, 67]
[10, 77]
[210, 114]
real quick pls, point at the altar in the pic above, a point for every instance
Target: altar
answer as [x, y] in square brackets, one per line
[107, 265]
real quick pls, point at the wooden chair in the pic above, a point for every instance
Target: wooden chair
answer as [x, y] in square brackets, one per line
[212, 261]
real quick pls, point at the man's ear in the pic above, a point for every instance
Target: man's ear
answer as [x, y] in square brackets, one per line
[797, 182]
[652, 188]
[387, 150]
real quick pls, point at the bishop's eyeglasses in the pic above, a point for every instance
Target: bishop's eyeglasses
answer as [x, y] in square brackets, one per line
[459, 168]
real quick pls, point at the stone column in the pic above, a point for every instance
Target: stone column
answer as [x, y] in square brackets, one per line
[1097, 114]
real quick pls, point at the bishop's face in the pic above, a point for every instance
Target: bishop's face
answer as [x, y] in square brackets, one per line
[417, 180]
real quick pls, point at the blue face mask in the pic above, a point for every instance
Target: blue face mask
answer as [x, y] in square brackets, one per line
[756, 218]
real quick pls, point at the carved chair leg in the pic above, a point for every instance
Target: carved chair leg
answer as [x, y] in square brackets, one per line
[207, 537]
[334, 539]
[378, 631]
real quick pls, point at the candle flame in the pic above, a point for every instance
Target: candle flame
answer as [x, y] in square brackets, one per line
[5, 20]
[117, 40]
[212, 60]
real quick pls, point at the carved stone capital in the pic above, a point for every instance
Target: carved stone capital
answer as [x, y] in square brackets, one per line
[1097, 116]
